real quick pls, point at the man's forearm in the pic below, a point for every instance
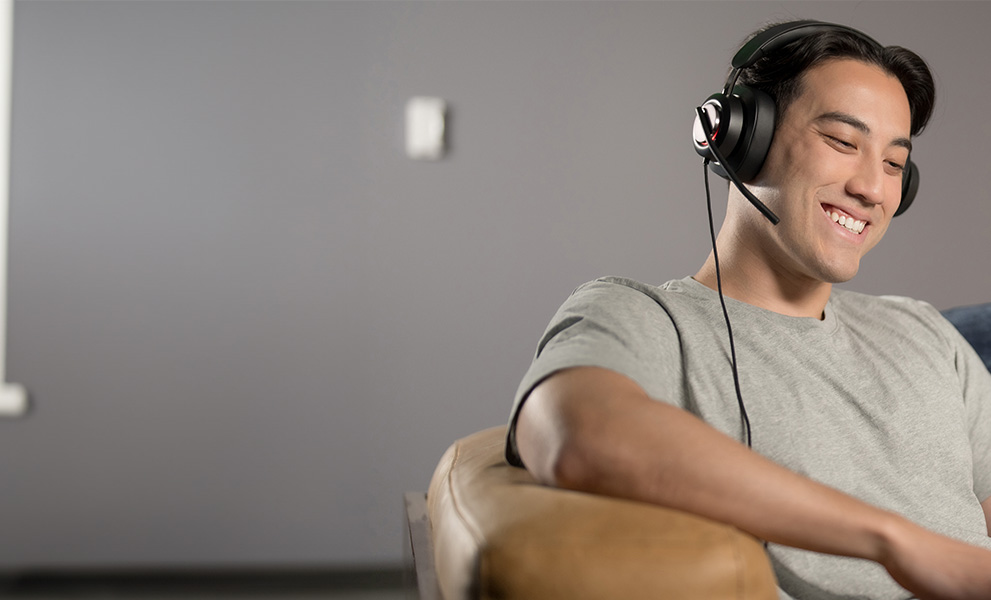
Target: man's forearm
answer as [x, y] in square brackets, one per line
[597, 431]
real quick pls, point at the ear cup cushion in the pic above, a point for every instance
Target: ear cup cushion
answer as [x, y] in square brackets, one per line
[758, 131]
[910, 185]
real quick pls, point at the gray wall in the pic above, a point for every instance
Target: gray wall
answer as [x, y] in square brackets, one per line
[248, 322]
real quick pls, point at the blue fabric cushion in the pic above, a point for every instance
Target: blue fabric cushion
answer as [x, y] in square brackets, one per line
[974, 322]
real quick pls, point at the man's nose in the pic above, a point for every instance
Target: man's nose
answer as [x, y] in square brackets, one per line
[868, 181]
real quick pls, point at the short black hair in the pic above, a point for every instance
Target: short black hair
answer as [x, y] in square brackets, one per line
[779, 73]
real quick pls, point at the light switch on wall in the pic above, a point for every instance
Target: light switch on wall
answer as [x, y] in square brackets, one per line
[425, 124]
[13, 400]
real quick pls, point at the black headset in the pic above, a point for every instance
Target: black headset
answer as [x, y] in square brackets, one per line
[740, 119]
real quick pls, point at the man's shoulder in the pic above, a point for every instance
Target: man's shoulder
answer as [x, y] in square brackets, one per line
[681, 304]
[874, 304]
[618, 285]
[632, 288]
[888, 312]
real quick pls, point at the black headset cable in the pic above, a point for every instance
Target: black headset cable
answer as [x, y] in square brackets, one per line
[722, 302]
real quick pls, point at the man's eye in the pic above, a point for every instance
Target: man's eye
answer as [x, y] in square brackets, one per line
[839, 142]
[897, 166]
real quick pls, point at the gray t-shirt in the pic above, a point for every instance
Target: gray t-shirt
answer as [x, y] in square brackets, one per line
[882, 399]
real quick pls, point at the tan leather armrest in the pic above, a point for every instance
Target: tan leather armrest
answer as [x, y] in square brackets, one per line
[499, 534]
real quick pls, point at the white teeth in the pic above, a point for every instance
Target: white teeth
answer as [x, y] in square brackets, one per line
[849, 222]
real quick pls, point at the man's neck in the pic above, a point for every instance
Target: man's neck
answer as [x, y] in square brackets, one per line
[766, 288]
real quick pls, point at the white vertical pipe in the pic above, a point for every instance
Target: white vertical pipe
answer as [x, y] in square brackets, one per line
[13, 398]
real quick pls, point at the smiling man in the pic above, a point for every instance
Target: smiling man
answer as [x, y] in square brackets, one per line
[869, 473]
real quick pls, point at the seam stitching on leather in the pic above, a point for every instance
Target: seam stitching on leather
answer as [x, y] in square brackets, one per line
[454, 498]
[740, 583]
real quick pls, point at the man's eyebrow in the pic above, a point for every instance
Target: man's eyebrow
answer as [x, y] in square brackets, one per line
[859, 125]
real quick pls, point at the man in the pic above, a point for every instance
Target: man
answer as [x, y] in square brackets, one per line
[870, 472]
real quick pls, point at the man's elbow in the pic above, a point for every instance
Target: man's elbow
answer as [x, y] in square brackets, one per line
[567, 433]
[571, 469]
[557, 457]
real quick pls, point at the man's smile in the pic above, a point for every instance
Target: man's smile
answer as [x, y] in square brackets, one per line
[845, 219]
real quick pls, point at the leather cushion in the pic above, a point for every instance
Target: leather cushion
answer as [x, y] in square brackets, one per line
[499, 534]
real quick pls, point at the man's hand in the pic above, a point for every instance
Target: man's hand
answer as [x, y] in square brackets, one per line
[934, 567]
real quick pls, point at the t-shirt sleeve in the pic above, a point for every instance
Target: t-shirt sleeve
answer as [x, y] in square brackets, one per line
[975, 384]
[612, 324]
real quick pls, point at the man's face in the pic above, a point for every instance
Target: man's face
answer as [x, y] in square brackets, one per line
[837, 155]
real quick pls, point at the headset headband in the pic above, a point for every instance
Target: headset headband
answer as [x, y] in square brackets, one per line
[778, 36]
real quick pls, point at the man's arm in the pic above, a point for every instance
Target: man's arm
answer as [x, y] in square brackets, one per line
[596, 430]
[986, 505]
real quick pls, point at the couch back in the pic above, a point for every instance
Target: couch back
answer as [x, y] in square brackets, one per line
[974, 322]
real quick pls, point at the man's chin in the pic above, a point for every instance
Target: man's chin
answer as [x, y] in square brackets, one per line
[842, 277]
[839, 273]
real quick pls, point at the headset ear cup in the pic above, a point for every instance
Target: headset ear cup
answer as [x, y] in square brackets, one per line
[743, 125]
[758, 131]
[910, 185]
